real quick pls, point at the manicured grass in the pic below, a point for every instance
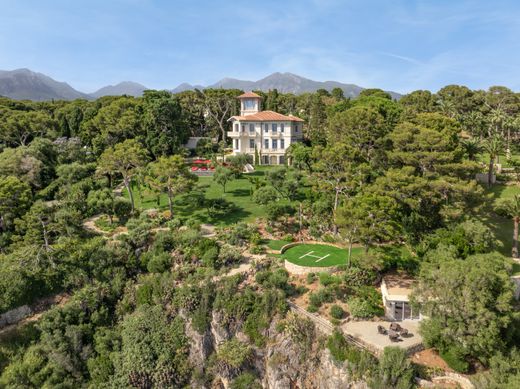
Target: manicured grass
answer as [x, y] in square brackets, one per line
[484, 158]
[310, 254]
[276, 244]
[238, 192]
[502, 227]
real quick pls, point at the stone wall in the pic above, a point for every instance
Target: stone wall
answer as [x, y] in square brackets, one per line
[298, 270]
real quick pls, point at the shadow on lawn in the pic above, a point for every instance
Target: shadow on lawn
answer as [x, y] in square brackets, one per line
[501, 227]
[241, 192]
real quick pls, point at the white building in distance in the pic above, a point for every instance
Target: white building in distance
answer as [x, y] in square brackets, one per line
[265, 135]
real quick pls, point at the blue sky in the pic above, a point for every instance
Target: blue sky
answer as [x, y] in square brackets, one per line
[392, 44]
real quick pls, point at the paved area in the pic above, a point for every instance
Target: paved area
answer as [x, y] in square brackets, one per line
[366, 332]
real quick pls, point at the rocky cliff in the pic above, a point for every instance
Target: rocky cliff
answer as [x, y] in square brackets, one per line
[281, 364]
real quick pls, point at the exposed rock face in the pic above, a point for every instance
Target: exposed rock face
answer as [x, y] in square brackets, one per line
[285, 369]
[280, 365]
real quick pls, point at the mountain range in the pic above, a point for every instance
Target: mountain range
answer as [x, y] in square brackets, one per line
[24, 84]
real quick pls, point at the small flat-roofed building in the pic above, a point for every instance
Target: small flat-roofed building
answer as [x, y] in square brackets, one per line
[396, 289]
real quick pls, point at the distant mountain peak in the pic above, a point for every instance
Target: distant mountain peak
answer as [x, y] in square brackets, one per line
[24, 84]
[128, 88]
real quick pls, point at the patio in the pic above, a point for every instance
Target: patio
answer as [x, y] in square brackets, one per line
[367, 333]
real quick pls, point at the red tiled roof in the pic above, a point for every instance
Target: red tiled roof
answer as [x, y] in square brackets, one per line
[267, 116]
[249, 95]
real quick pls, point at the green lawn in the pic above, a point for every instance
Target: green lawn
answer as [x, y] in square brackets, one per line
[516, 269]
[484, 158]
[310, 254]
[238, 192]
[502, 227]
[276, 244]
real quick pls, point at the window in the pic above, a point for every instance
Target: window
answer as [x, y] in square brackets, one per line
[251, 127]
[249, 104]
[295, 128]
[275, 144]
[282, 144]
[282, 127]
[243, 127]
[265, 159]
[236, 144]
[266, 143]
[251, 143]
[236, 127]
[274, 127]
[266, 128]
[281, 159]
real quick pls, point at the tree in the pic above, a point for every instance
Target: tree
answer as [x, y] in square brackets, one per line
[493, 146]
[300, 156]
[337, 93]
[164, 123]
[101, 201]
[286, 181]
[220, 105]
[19, 128]
[222, 176]
[334, 173]
[468, 303]
[472, 147]
[124, 158]
[360, 128]
[15, 199]
[511, 208]
[237, 163]
[374, 217]
[171, 175]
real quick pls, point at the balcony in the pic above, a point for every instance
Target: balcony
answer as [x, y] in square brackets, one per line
[272, 151]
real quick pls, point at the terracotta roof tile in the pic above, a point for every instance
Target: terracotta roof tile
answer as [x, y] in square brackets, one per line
[249, 95]
[267, 116]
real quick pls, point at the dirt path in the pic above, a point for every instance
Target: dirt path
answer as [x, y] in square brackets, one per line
[90, 224]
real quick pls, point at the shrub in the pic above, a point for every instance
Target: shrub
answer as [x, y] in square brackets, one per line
[311, 277]
[312, 308]
[327, 279]
[337, 312]
[362, 308]
[395, 370]
[122, 209]
[354, 276]
[210, 257]
[455, 359]
[265, 195]
[159, 263]
[338, 346]
[245, 381]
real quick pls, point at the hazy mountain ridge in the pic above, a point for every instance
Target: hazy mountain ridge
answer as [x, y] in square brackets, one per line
[123, 88]
[24, 84]
[284, 83]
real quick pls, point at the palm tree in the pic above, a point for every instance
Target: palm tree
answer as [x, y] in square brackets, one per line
[511, 208]
[494, 146]
[472, 147]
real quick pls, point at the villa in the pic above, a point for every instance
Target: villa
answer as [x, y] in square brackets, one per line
[265, 135]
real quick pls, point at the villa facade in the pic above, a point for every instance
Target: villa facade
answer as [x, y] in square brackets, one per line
[265, 135]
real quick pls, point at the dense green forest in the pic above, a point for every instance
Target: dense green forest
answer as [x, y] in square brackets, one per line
[395, 179]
